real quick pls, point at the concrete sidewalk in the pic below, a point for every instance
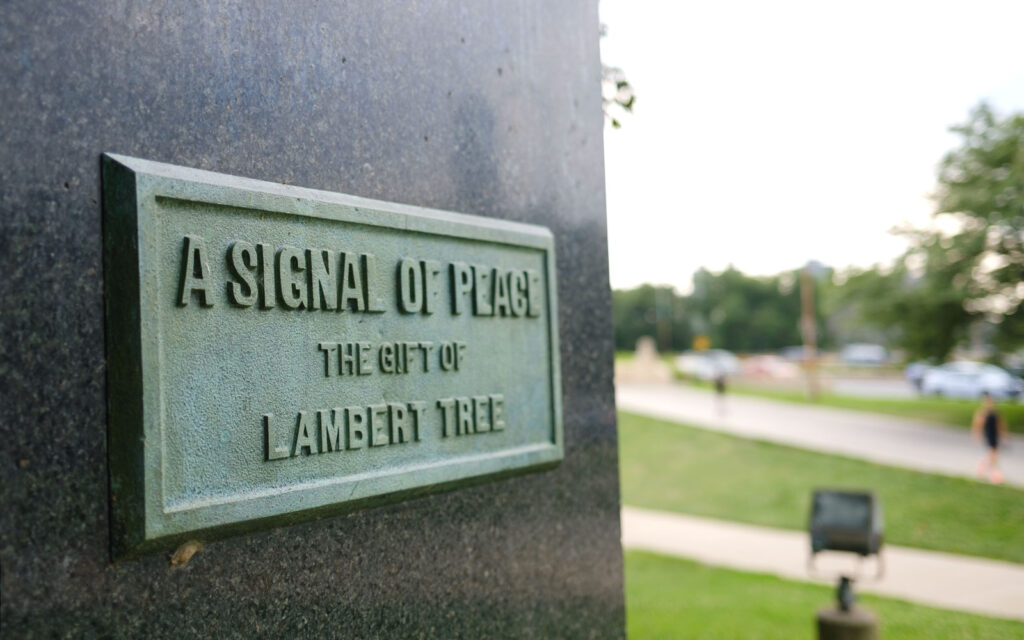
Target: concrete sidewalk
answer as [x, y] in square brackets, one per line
[944, 580]
[879, 438]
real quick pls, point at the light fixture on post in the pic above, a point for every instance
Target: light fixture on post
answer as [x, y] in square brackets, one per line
[851, 522]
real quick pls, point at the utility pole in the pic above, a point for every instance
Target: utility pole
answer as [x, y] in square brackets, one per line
[809, 331]
[663, 312]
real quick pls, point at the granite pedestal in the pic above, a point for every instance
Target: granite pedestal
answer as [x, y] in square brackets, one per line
[491, 110]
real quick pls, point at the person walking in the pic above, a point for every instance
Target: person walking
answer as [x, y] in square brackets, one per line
[720, 384]
[990, 425]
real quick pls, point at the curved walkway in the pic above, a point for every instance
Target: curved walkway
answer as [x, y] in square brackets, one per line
[879, 438]
[962, 583]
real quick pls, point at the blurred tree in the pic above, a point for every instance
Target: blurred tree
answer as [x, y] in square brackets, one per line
[981, 186]
[744, 313]
[738, 312]
[949, 280]
[653, 311]
[920, 314]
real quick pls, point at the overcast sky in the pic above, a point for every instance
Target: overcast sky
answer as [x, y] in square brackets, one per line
[766, 134]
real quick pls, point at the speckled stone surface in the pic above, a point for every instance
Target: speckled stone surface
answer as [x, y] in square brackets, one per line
[484, 108]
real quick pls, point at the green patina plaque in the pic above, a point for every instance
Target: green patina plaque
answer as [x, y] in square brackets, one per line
[278, 353]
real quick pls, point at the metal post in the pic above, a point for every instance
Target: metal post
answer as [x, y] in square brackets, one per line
[844, 621]
[809, 331]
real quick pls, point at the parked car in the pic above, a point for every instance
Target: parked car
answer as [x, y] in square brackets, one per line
[793, 354]
[970, 380]
[914, 373]
[1014, 362]
[864, 355]
[769, 365]
[708, 365]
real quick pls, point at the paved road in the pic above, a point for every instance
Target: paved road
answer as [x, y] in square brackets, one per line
[944, 580]
[887, 440]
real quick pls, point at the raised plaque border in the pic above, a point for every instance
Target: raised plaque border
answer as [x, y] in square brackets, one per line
[131, 187]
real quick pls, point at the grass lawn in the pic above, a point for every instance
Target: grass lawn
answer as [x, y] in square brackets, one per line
[673, 467]
[952, 412]
[675, 598]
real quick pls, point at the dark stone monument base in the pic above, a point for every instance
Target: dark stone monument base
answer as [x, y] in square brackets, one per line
[856, 624]
[490, 109]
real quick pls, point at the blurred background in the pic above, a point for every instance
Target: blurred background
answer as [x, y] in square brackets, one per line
[816, 239]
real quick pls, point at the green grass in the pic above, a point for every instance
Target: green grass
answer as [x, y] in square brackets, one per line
[673, 467]
[952, 412]
[674, 598]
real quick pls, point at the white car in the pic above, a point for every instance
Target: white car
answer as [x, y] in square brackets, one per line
[708, 365]
[970, 380]
[864, 355]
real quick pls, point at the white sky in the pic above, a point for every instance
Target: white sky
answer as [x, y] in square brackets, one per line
[766, 134]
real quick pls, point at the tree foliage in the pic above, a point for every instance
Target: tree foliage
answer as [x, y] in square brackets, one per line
[653, 311]
[981, 186]
[918, 314]
[744, 313]
[736, 311]
[617, 95]
[948, 281]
